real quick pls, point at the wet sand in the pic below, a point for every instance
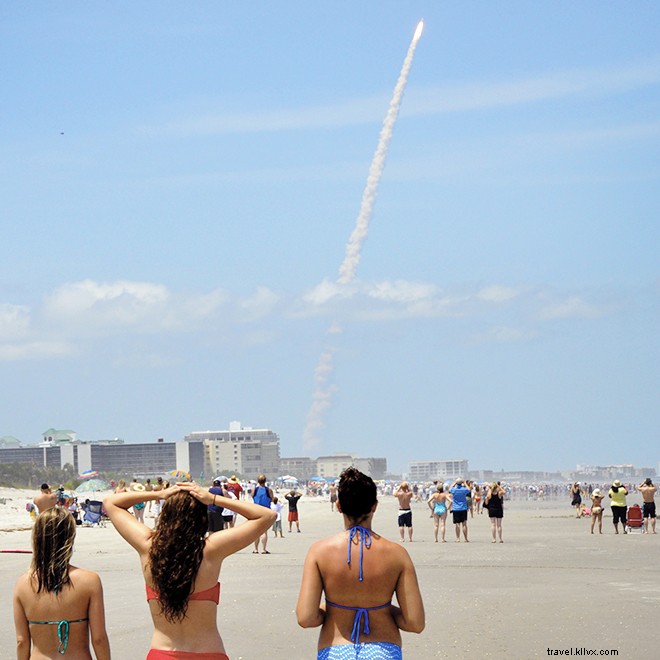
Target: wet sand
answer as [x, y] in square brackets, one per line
[550, 586]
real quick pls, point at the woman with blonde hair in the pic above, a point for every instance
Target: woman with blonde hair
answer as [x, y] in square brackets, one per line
[495, 505]
[58, 606]
[358, 619]
[181, 565]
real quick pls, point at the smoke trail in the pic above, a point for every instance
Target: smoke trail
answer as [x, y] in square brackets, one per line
[324, 390]
[349, 266]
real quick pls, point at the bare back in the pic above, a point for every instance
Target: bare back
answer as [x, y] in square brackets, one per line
[198, 631]
[76, 600]
[383, 566]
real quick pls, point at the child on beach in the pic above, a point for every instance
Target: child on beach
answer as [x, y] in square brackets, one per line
[597, 510]
[277, 506]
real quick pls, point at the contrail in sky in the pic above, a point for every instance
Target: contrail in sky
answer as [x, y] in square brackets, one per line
[324, 390]
[352, 259]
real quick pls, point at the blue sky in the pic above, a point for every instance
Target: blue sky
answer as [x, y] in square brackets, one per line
[180, 180]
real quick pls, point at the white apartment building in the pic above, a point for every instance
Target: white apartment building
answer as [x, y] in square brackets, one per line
[238, 449]
[440, 469]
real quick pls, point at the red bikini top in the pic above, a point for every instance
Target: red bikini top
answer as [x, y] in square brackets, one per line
[211, 594]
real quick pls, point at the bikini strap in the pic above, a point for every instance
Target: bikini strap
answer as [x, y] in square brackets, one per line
[361, 616]
[364, 539]
[62, 631]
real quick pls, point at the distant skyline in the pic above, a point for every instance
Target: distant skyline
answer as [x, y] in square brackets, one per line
[179, 183]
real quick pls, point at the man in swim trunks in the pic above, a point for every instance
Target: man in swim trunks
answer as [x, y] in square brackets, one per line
[459, 509]
[404, 495]
[46, 499]
[292, 498]
[648, 490]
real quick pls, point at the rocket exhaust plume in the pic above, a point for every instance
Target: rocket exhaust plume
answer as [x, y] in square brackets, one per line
[349, 266]
[324, 390]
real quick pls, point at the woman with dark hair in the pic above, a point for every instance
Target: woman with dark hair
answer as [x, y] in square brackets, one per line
[181, 565]
[57, 606]
[358, 619]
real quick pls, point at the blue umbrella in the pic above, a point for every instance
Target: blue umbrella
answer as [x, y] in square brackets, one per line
[91, 486]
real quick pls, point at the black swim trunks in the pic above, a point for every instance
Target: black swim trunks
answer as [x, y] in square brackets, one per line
[649, 509]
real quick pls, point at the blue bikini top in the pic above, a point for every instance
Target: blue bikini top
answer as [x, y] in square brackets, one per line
[361, 619]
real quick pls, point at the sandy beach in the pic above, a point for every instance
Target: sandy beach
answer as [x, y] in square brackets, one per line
[551, 586]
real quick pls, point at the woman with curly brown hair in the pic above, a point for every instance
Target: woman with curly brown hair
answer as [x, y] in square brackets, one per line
[57, 606]
[358, 619]
[181, 566]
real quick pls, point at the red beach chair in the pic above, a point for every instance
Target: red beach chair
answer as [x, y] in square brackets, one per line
[635, 521]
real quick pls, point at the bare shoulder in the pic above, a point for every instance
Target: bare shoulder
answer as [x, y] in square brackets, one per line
[83, 577]
[22, 583]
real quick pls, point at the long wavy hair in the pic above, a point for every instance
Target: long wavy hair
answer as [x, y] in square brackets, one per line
[176, 552]
[53, 535]
[356, 493]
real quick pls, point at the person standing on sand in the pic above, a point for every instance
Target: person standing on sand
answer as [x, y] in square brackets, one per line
[404, 495]
[262, 496]
[495, 502]
[58, 607]
[181, 566]
[576, 499]
[438, 502]
[648, 490]
[358, 620]
[619, 508]
[597, 510]
[459, 508]
[292, 498]
[216, 522]
[46, 499]
[333, 496]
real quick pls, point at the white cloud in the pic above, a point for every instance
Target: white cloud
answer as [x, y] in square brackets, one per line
[572, 307]
[113, 307]
[402, 291]
[14, 321]
[258, 305]
[497, 294]
[424, 101]
[35, 350]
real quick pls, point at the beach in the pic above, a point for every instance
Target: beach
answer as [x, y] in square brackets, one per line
[550, 587]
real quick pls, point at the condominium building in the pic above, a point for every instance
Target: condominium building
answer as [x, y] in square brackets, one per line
[439, 469]
[238, 449]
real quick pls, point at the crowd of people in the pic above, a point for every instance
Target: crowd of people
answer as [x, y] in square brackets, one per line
[58, 607]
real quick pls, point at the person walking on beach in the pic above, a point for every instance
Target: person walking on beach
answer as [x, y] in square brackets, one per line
[262, 496]
[648, 490]
[277, 507]
[404, 495]
[459, 508]
[292, 498]
[216, 522]
[576, 499]
[597, 510]
[158, 486]
[495, 506]
[438, 502]
[181, 565]
[619, 508]
[358, 620]
[45, 499]
[58, 607]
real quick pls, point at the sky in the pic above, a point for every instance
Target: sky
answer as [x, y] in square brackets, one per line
[179, 182]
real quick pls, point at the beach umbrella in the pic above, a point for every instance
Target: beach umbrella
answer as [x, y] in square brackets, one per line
[179, 474]
[88, 474]
[316, 478]
[288, 477]
[91, 486]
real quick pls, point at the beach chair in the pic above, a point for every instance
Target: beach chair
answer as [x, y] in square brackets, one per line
[94, 514]
[634, 521]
